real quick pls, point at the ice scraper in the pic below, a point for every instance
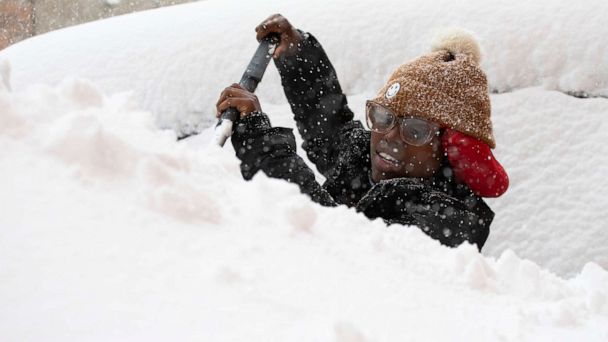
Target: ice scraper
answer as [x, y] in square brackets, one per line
[250, 80]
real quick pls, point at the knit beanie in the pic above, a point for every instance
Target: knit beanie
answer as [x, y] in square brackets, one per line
[446, 86]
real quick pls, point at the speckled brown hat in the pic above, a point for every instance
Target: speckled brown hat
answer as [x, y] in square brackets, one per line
[446, 86]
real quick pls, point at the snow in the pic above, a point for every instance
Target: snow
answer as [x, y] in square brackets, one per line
[113, 230]
[223, 132]
[554, 150]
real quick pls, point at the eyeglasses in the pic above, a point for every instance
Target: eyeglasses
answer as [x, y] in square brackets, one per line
[413, 131]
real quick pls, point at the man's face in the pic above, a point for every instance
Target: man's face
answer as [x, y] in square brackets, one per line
[392, 157]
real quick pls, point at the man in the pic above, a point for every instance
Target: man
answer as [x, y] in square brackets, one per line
[427, 159]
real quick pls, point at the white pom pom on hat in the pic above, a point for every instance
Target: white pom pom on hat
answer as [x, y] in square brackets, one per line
[457, 41]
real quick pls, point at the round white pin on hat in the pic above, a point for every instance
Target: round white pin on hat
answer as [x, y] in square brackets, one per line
[392, 90]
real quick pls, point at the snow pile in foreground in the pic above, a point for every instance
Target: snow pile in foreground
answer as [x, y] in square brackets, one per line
[111, 230]
[177, 59]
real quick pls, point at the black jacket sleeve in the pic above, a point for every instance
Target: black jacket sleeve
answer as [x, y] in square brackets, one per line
[315, 96]
[449, 219]
[260, 146]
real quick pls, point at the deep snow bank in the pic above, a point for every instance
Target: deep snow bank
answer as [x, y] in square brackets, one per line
[177, 59]
[112, 230]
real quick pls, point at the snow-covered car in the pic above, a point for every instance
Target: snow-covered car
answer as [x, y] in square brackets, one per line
[112, 229]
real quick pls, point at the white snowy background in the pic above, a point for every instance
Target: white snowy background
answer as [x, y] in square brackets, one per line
[112, 230]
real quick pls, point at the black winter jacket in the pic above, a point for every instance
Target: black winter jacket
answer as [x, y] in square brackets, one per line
[340, 149]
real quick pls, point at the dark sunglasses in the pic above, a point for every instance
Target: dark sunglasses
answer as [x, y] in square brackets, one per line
[413, 131]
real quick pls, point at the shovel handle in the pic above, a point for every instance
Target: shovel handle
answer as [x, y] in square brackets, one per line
[249, 81]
